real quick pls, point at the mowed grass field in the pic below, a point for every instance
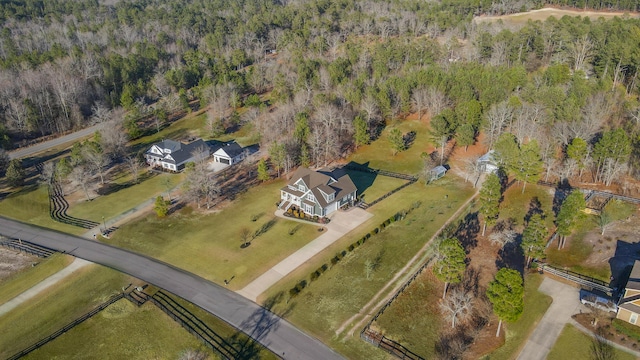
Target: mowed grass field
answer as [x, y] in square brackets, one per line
[30, 276]
[31, 205]
[379, 154]
[543, 14]
[574, 344]
[209, 244]
[123, 331]
[57, 306]
[343, 290]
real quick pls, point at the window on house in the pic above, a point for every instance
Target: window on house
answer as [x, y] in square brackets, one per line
[311, 197]
[301, 187]
[308, 208]
[634, 318]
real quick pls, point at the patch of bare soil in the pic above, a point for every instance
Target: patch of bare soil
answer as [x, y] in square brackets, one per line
[12, 262]
[618, 248]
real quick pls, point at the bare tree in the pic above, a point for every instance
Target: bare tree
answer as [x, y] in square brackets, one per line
[48, 173]
[580, 51]
[498, 118]
[191, 354]
[471, 169]
[436, 101]
[419, 98]
[113, 138]
[81, 176]
[503, 237]
[97, 160]
[134, 164]
[457, 307]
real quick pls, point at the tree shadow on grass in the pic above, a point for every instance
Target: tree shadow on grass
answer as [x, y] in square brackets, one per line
[258, 326]
[511, 256]
[467, 231]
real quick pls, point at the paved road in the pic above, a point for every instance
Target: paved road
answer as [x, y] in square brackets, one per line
[46, 145]
[267, 328]
[566, 302]
[341, 223]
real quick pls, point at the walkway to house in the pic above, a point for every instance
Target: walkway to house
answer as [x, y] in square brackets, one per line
[43, 285]
[341, 223]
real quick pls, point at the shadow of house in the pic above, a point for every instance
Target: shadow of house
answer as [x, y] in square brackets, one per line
[622, 261]
[361, 175]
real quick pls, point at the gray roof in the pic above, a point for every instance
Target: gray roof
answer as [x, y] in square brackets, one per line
[439, 169]
[324, 181]
[634, 279]
[180, 152]
[232, 149]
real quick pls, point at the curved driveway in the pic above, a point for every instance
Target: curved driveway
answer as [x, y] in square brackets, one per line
[262, 325]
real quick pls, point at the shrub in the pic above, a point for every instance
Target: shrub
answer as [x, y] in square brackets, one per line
[367, 236]
[301, 285]
[350, 248]
[315, 275]
[334, 260]
[293, 292]
[323, 268]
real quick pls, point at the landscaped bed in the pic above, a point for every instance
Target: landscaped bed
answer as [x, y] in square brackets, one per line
[574, 344]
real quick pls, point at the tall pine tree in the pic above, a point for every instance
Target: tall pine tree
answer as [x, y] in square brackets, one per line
[506, 293]
[450, 262]
[533, 238]
[490, 195]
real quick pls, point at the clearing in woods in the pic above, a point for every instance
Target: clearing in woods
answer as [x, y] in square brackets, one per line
[543, 14]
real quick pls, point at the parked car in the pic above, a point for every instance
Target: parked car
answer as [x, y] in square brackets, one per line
[598, 301]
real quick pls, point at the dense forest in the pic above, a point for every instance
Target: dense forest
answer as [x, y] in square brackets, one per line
[335, 72]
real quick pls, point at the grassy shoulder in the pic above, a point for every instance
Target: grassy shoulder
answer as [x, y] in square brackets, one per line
[247, 347]
[28, 277]
[31, 205]
[57, 306]
[325, 305]
[209, 244]
[121, 331]
[574, 344]
[517, 333]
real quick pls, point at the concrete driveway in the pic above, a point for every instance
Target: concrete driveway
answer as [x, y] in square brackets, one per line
[341, 223]
[566, 302]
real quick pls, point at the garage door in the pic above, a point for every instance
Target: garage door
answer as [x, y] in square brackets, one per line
[224, 161]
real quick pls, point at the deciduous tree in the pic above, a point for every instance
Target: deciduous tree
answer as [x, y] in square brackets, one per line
[457, 307]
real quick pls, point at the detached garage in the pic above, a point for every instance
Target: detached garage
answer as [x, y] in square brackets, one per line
[229, 154]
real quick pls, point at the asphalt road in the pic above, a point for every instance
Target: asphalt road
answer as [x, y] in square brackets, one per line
[46, 145]
[262, 325]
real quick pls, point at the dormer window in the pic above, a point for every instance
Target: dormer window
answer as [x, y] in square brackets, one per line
[330, 197]
[311, 197]
[301, 187]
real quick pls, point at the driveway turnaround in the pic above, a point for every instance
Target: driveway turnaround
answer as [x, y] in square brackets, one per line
[265, 327]
[341, 223]
[566, 302]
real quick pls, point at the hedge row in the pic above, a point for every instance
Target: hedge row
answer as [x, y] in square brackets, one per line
[400, 215]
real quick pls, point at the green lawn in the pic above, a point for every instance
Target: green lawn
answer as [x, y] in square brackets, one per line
[57, 306]
[31, 205]
[325, 304]
[30, 276]
[574, 344]
[125, 199]
[414, 319]
[123, 331]
[209, 245]
[577, 251]
[379, 153]
[371, 186]
[515, 204]
[535, 305]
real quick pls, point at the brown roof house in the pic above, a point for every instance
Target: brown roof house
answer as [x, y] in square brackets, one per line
[317, 192]
[629, 304]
